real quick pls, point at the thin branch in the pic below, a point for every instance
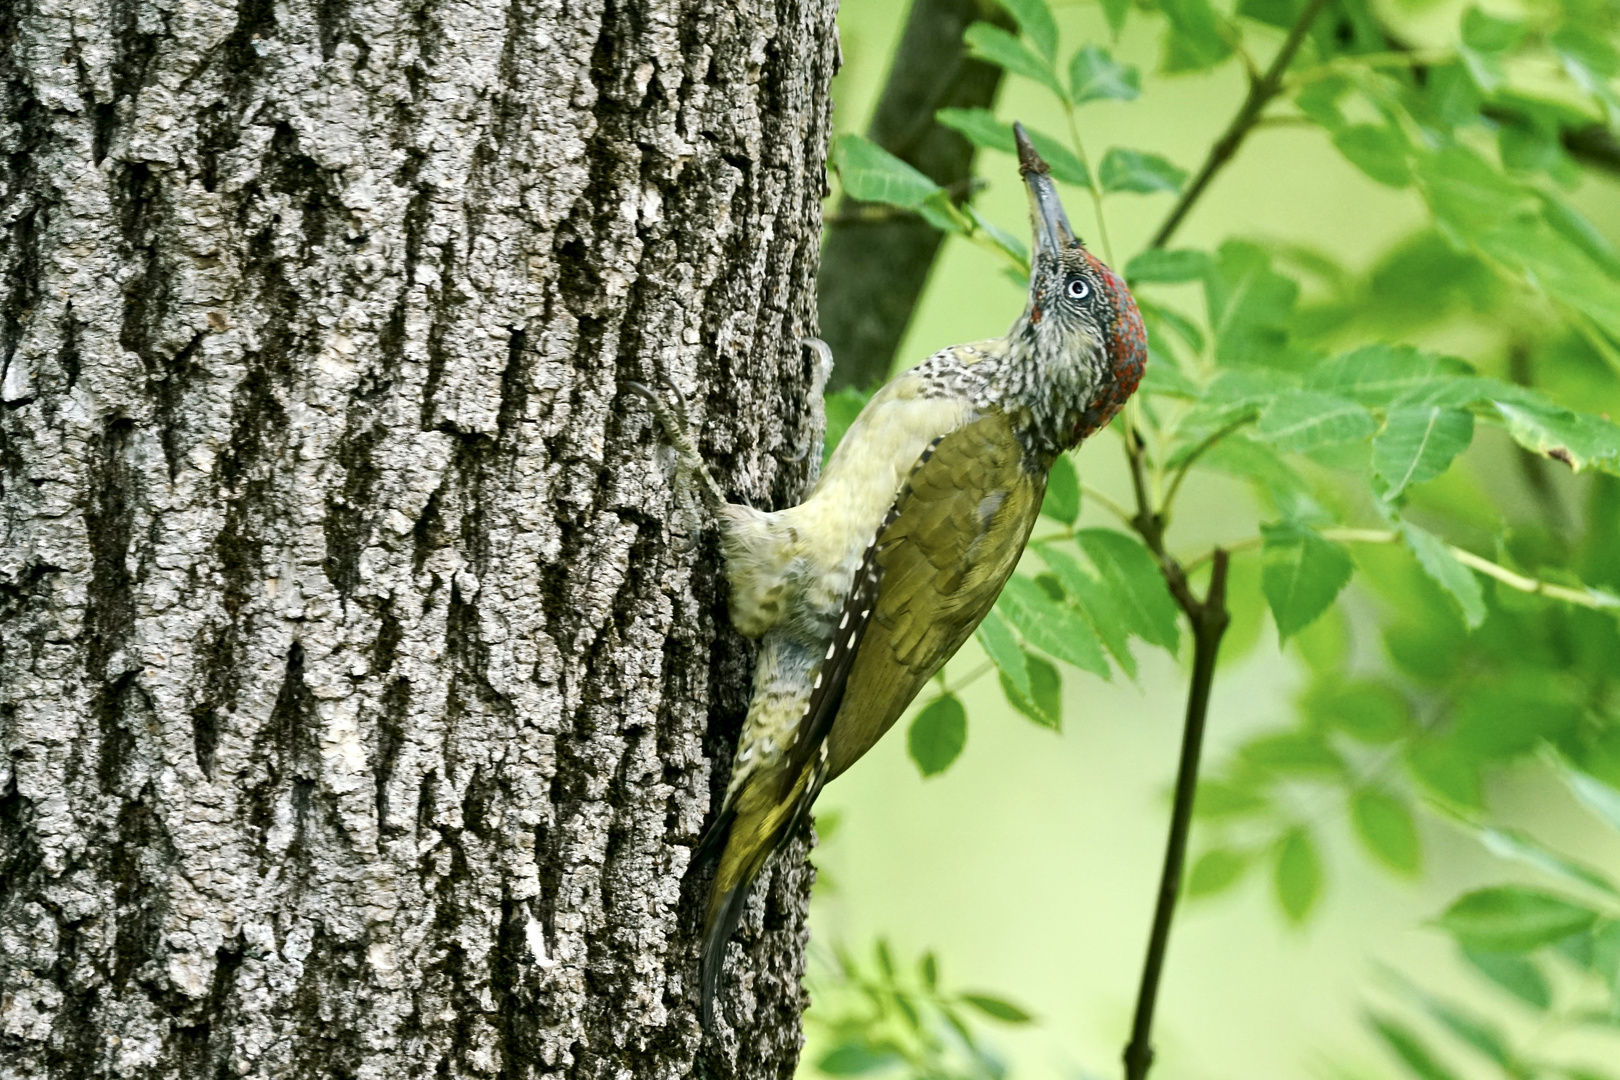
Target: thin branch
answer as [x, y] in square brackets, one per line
[1261, 93]
[1209, 620]
[1349, 65]
[972, 677]
[1582, 597]
[1092, 494]
[1199, 451]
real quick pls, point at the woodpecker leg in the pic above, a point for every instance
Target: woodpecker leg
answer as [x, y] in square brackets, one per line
[673, 418]
[819, 374]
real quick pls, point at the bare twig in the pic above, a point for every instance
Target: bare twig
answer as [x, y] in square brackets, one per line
[1209, 619]
[1206, 615]
[1261, 92]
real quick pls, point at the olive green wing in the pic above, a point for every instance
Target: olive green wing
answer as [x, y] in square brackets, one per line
[947, 547]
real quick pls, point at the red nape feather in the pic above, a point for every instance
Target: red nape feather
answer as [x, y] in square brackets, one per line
[1127, 347]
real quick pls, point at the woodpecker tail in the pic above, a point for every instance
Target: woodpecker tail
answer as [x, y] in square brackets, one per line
[762, 816]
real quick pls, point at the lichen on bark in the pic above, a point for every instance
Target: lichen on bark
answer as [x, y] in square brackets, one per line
[361, 675]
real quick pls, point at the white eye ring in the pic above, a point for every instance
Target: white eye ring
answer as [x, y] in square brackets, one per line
[1079, 288]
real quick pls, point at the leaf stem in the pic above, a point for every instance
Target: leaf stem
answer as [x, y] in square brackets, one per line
[1587, 598]
[1349, 65]
[1096, 183]
[1198, 452]
[972, 677]
[1093, 495]
[1261, 92]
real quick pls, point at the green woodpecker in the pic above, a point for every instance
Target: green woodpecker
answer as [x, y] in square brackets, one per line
[861, 593]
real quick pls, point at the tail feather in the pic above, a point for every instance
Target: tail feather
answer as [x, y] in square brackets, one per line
[713, 841]
[723, 917]
[746, 834]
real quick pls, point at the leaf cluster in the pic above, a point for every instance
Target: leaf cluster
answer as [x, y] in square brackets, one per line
[878, 1016]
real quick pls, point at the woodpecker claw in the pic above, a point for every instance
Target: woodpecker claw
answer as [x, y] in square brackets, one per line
[672, 417]
[820, 372]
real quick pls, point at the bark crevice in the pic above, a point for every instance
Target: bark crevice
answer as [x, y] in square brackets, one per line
[360, 692]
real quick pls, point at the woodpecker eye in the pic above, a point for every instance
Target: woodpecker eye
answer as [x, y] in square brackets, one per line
[1078, 289]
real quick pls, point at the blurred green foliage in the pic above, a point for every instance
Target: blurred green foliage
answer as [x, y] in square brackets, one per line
[881, 1016]
[1320, 388]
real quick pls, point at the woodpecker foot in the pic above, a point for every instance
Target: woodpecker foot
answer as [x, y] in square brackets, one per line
[671, 414]
[819, 374]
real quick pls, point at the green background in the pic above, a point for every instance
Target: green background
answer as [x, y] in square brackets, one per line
[1031, 865]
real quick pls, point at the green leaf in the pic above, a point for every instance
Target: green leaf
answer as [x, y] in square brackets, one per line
[1385, 825]
[1556, 265]
[1380, 375]
[1034, 18]
[1498, 719]
[1116, 11]
[855, 1057]
[1487, 33]
[1471, 1029]
[1511, 919]
[928, 967]
[995, 46]
[1044, 701]
[1298, 875]
[980, 127]
[1301, 574]
[1595, 795]
[870, 173]
[1418, 443]
[937, 735]
[1169, 267]
[885, 960]
[1051, 627]
[1278, 13]
[1218, 800]
[843, 406]
[1249, 305]
[1292, 752]
[1139, 171]
[1377, 150]
[1194, 41]
[1578, 440]
[1363, 710]
[1216, 871]
[1515, 974]
[1410, 1048]
[1062, 501]
[1001, 237]
[997, 1008]
[1143, 600]
[1467, 195]
[1440, 564]
[1095, 602]
[1094, 75]
[1506, 843]
[1065, 166]
[1301, 420]
[1591, 61]
[1001, 645]
[1187, 330]
[940, 212]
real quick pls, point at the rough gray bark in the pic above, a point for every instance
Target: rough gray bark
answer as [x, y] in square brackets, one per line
[357, 701]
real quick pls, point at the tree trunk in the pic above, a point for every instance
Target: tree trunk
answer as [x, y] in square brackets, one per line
[358, 688]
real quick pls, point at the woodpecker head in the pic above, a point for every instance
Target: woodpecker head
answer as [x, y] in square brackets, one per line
[1081, 330]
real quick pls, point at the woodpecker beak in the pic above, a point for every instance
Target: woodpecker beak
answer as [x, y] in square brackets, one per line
[1046, 217]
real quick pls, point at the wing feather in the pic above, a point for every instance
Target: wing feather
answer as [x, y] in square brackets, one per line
[952, 540]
